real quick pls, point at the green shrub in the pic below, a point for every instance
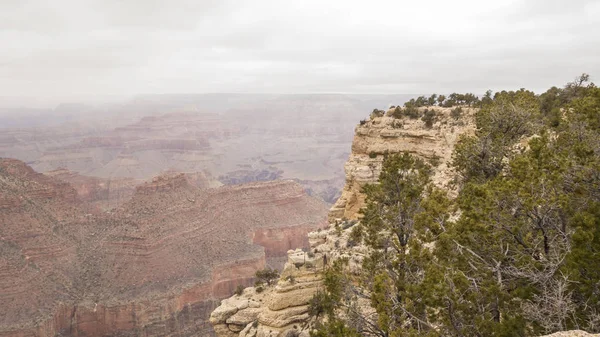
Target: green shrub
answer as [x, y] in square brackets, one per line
[411, 112]
[456, 112]
[259, 289]
[349, 224]
[397, 113]
[355, 237]
[239, 290]
[435, 161]
[372, 155]
[267, 275]
[429, 117]
[377, 113]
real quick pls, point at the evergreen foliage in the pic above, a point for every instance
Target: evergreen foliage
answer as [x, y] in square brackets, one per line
[517, 253]
[267, 275]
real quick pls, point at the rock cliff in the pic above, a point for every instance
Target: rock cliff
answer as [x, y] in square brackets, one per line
[155, 266]
[282, 310]
[379, 135]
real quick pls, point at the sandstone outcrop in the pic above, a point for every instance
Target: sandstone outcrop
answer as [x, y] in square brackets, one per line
[380, 135]
[155, 266]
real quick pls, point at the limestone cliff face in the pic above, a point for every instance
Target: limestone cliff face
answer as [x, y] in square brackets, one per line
[387, 134]
[282, 310]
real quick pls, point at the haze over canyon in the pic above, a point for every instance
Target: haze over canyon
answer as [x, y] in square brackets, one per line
[142, 215]
[309, 168]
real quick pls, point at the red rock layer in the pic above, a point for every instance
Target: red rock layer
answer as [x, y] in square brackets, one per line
[153, 267]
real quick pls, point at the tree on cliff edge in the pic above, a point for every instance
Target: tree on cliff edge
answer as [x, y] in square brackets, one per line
[267, 275]
[522, 256]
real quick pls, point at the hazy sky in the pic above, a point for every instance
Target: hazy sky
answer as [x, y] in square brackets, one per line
[85, 48]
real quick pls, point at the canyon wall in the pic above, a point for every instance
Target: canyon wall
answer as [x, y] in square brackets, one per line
[154, 266]
[283, 309]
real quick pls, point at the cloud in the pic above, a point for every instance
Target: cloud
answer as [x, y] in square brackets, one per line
[84, 48]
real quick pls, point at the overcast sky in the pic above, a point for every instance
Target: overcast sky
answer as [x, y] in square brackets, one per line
[85, 48]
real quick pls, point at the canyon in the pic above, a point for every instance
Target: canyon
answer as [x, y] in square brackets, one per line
[154, 266]
[231, 138]
[137, 218]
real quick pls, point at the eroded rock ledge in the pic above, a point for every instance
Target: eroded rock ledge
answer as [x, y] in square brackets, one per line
[389, 135]
[282, 309]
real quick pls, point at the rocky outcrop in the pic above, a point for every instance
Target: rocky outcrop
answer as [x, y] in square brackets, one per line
[109, 193]
[155, 266]
[283, 309]
[382, 135]
[278, 308]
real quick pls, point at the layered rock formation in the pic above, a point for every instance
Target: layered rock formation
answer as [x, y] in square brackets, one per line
[380, 135]
[156, 266]
[282, 310]
[107, 194]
